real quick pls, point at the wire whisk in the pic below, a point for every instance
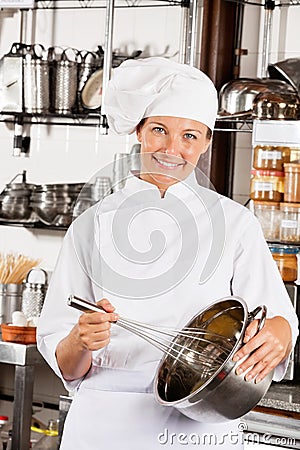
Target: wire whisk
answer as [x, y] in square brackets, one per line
[198, 348]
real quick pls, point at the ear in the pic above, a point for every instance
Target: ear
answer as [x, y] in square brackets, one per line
[204, 150]
[138, 133]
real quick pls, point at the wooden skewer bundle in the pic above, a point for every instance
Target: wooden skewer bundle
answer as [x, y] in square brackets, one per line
[14, 268]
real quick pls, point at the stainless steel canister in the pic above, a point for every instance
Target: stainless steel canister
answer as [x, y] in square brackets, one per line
[10, 301]
[36, 80]
[11, 79]
[65, 81]
[34, 294]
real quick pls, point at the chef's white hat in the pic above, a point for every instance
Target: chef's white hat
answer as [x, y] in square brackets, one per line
[158, 87]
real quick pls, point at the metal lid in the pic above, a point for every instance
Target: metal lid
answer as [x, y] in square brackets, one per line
[283, 249]
[292, 206]
[267, 173]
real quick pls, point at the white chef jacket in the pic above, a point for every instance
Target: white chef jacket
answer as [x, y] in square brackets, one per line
[159, 261]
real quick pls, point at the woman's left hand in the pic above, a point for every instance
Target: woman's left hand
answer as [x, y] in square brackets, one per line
[264, 350]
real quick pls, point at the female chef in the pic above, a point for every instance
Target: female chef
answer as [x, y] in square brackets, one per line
[157, 251]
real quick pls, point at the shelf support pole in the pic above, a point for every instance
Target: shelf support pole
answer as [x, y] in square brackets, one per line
[190, 32]
[107, 61]
[268, 20]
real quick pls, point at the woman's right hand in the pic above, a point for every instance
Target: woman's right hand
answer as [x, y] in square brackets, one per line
[92, 332]
[94, 327]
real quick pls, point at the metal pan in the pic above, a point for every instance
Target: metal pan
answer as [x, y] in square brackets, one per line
[237, 96]
[287, 70]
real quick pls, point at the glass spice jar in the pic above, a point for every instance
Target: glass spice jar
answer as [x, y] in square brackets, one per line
[270, 157]
[290, 222]
[286, 260]
[292, 182]
[294, 155]
[267, 185]
[268, 214]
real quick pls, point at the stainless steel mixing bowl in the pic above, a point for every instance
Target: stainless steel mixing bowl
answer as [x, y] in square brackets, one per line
[223, 395]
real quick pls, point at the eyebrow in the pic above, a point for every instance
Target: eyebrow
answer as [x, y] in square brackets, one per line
[188, 130]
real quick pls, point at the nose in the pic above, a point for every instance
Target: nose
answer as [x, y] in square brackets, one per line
[172, 146]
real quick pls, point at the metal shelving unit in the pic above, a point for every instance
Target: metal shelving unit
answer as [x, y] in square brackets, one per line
[32, 225]
[76, 119]
[276, 3]
[101, 4]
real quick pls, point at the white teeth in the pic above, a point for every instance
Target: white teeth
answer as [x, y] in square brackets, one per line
[166, 164]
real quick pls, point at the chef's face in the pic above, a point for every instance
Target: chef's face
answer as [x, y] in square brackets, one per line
[170, 148]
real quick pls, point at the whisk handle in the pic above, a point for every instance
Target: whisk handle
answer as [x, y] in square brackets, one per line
[83, 305]
[262, 319]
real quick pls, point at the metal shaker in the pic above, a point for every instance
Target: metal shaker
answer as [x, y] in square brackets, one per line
[34, 295]
[10, 301]
[65, 81]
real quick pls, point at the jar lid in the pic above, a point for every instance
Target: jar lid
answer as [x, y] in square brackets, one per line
[291, 166]
[284, 249]
[284, 205]
[264, 203]
[268, 173]
[4, 418]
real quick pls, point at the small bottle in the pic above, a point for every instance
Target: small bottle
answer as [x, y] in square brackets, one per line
[286, 259]
[268, 214]
[292, 182]
[290, 222]
[270, 157]
[266, 185]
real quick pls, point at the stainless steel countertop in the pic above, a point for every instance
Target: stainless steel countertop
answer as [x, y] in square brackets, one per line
[276, 420]
[19, 354]
[283, 396]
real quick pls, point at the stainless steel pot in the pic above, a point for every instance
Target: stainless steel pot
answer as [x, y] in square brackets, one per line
[224, 395]
[287, 70]
[236, 97]
[271, 105]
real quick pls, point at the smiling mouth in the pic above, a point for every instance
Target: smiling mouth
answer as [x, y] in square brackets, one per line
[167, 164]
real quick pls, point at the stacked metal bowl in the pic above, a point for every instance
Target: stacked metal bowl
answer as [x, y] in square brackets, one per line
[54, 203]
[15, 202]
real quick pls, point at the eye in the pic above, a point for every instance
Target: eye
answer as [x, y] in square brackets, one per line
[190, 136]
[159, 130]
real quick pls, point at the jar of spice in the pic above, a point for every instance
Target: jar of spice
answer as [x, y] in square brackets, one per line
[270, 157]
[286, 260]
[292, 182]
[294, 155]
[267, 185]
[290, 222]
[268, 214]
